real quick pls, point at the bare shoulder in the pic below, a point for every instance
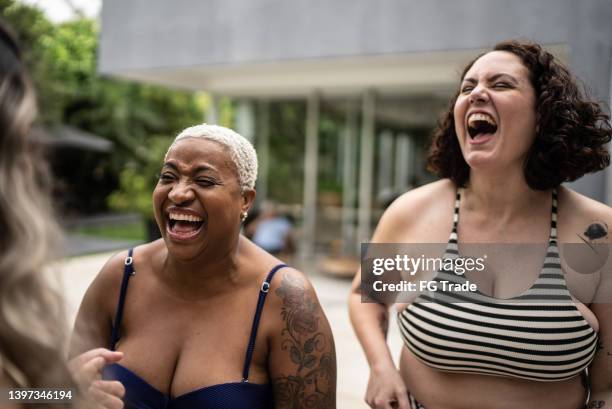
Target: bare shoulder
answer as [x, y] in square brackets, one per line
[423, 197]
[426, 209]
[110, 276]
[290, 286]
[94, 319]
[294, 306]
[302, 361]
[581, 215]
[107, 280]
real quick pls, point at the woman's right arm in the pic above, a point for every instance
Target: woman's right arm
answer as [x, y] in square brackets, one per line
[370, 322]
[91, 336]
[93, 325]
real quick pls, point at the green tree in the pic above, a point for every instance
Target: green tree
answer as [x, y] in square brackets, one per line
[137, 118]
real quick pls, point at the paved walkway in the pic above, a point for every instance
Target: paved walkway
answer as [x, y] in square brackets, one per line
[77, 273]
[80, 244]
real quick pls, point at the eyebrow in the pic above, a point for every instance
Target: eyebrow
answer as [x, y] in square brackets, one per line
[492, 78]
[201, 168]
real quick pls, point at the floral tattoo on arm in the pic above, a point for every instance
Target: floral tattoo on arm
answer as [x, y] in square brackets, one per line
[312, 381]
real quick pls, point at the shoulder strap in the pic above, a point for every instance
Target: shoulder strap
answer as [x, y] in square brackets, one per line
[456, 210]
[128, 271]
[263, 292]
[553, 217]
[452, 247]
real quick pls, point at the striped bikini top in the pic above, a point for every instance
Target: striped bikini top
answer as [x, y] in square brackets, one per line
[539, 335]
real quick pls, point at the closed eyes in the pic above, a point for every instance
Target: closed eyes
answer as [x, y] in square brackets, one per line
[498, 85]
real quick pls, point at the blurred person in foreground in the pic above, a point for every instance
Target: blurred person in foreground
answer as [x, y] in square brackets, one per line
[32, 335]
[535, 334]
[204, 317]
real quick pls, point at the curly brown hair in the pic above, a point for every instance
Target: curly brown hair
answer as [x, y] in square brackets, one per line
[571, 135]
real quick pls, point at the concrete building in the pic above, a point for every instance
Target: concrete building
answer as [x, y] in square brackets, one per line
[388, 66]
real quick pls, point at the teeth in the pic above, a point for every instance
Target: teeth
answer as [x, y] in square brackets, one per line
[185, 217]
[481, 117]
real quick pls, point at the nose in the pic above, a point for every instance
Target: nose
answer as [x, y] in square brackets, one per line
[181, 193]
[479, 95]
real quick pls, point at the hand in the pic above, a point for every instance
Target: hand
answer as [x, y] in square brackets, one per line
[87, 370]
[386, 389]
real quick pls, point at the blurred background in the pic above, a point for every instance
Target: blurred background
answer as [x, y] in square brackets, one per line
[338, 96]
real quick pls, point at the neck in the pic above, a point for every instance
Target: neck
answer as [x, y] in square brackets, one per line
[200, 277]
[506, 194]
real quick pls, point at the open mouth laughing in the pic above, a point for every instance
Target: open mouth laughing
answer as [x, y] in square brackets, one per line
[480, 125]
[183, 226]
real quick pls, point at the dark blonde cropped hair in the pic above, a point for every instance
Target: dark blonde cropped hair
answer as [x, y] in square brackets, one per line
[240, 149]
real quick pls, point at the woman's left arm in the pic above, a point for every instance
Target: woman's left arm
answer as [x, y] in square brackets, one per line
[601, 368]
[302, 361]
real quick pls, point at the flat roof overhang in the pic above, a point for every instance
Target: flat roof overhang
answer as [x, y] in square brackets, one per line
[408, 74]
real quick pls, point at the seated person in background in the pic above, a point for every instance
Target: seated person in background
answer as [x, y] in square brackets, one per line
[273, 231]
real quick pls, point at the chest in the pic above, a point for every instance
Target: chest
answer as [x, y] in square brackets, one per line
[515, 253]
[179, 346]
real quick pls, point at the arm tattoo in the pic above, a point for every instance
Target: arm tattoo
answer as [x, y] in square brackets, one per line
[312, 383]
[595, 231]
[596, 404]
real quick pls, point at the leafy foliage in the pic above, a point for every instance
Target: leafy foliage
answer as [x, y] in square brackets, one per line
[136, 181]
[141, 119]
[135, 117]
[287, 146]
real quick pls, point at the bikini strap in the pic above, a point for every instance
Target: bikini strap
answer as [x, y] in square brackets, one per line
[553, 217]
[453, 235]
[128, 271]
[263, 292]
[452, 248]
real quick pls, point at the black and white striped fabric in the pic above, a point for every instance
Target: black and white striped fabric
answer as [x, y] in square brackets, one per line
[539, 335]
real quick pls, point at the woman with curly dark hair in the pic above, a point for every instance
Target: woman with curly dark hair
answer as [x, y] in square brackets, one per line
[536, 333]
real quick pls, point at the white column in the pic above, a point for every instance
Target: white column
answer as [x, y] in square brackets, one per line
[385, 163]
[366, 167]
[245, 119]
[310, 178]
[349, 167]
[212, 113]
[263, 149]
[404, 157]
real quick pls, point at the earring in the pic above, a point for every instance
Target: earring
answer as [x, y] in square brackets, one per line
[243, 215]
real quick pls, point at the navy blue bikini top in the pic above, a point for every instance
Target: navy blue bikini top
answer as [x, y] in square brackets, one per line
[139, 394]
